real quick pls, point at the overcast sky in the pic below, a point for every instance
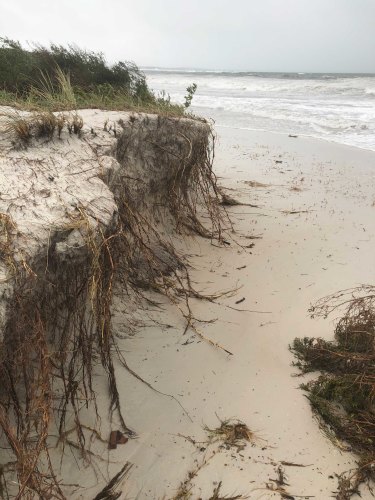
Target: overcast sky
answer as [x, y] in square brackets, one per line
[253, 35]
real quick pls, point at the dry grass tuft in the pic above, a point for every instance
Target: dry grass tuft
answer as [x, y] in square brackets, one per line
[21, 129]
[18, 127]
[45, 124]
[228, 200]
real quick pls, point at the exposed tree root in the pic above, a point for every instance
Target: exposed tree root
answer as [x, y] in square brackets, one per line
[60, 329]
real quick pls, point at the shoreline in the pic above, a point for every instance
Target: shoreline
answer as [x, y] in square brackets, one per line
[302, 136]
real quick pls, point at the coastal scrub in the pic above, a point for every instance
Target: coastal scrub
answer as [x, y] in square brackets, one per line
[59, 78]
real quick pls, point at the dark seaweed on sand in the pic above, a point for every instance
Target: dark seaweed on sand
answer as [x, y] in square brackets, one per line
[343, 394]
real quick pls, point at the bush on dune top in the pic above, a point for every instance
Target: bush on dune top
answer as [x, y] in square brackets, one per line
[58, 77]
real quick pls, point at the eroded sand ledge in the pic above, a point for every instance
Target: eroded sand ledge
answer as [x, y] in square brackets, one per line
[48, 188]
[81, 215]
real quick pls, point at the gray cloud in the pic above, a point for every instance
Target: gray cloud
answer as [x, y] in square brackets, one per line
[254, 35]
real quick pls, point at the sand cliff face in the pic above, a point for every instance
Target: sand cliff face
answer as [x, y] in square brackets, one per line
[44, 188]
[55, 193]
[80, 213]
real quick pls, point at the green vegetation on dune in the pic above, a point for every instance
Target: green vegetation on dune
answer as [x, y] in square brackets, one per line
[58, 78]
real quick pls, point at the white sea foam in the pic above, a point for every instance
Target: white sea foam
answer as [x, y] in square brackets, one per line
[334, 107]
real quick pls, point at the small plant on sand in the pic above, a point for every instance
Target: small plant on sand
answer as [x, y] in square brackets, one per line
[42, 124]
[190, 91]
[75, 124]
[45, 124]
[343, 395]
[17, 127]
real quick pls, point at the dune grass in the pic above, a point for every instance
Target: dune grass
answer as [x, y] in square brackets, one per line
[58, 78]
[108, 98]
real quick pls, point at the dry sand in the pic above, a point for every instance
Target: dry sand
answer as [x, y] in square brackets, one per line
[316, 223]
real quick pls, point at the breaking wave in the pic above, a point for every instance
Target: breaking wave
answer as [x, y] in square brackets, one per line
[339, 108]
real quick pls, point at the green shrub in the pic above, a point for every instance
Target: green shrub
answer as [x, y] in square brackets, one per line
[58, 78]
[190, 91]
[21, 68]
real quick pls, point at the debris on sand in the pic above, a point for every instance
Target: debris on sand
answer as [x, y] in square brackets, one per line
[343, 395]
[229, 201]
[115, 438]
[184, 491]
[256, 184]
[293, 212]
[232, 433]
[240, 300]
[110, 492]
[217, 496]
[254, 237]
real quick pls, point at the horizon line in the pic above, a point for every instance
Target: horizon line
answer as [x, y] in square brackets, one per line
[206, 70]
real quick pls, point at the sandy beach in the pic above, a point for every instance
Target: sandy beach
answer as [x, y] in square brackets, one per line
[303, 228]
[315, 233]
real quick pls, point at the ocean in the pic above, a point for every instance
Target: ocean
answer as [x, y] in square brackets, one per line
[335, 107]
